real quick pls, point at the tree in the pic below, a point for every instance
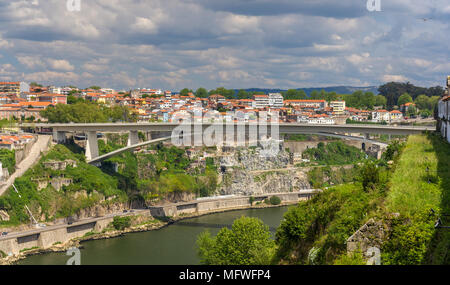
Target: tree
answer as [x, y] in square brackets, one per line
[368, 100]
[201, 93]
[369, 175]
[423, 102]
[185, 92]
[227, 93]
[247, 243]
[94, 87]
[404, 98]
[380, 100]
[294, 94]
[412, 111]
[314, 95]
[35, 84]
[242, 94]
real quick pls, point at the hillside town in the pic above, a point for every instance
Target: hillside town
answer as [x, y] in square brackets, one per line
[24, 102]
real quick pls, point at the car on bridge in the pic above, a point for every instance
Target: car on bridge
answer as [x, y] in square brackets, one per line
[4, 233]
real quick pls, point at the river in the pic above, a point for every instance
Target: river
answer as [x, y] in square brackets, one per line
[172, 245]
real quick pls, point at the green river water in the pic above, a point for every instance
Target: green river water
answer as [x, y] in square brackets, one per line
[172, 245]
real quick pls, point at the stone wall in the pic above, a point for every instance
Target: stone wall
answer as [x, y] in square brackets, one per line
[371, 234]
[213, 205]
[47, 238]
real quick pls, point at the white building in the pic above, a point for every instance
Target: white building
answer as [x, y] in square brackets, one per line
[261, 101]
[276, 100]
[380, 115]
[338, 107]
[54, 90]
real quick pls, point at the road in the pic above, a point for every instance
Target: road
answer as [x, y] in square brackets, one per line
[39, 146]
[59, 226]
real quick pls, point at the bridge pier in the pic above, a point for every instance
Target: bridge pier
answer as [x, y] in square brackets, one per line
[133, 138]
[59, 137]
[91, 145]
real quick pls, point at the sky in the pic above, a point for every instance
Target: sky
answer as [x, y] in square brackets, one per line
[172, 44]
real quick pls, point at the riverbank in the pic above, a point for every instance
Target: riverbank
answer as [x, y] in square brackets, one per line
[148, 225]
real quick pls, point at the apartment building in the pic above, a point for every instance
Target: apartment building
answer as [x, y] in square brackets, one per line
[338, 107]
[315, 104]
[14, 87]
[261, 101]
[276, 100]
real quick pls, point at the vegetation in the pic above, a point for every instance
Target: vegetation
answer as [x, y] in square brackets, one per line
[324, 223]
[52, 203]
[326, 176]
[168, 172]
[8, 159]
[121, 223]
[334, 153]
[86, 112]
[414, 192]
[393, 90]
[275, 200]
[248, 242]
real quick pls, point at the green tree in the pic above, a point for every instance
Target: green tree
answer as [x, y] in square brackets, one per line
[294, 94]
[247, 243]
[380, 100]
[94, 87]
[201, 93]
[185, 92]
[242, 94]
[423, 102]
[369, 175]
[412, 111]
[404, 98]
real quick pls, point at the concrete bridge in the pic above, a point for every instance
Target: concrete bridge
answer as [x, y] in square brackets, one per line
[91, 129]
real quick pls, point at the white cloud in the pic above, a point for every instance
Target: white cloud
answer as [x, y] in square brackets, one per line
[145, 25]
[397, 78]
[60, 64]
[30, 61]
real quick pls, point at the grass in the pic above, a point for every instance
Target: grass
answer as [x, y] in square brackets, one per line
[414, 192]
[411, 193]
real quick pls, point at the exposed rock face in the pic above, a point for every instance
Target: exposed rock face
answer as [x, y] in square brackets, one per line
[251, 159]
[249, 173]
[4, 216]
[100, 210]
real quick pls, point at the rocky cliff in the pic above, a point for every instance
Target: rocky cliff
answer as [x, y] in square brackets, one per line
[247, 172]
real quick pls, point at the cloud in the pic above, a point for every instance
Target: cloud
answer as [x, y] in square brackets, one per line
[238, 44]
[398, 78]
[60, 64]
[30, 61]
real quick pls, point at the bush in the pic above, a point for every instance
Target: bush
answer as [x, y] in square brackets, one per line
[369, 175]
[275, 200]
[121, 223]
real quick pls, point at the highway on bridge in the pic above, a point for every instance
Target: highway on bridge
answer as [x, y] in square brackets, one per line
[288, 128]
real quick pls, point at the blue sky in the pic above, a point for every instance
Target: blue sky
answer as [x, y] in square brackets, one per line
[172, 44]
